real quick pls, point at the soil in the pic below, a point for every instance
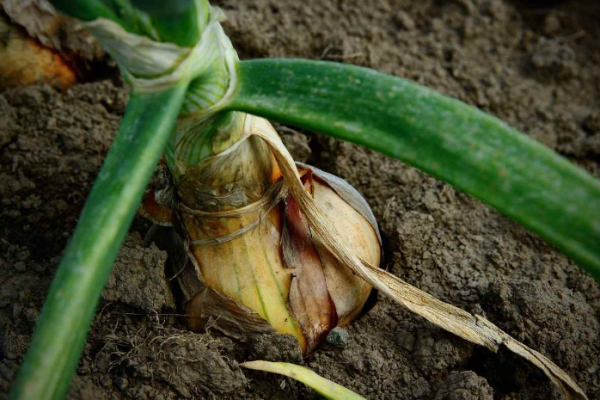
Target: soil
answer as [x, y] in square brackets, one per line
[532, 63]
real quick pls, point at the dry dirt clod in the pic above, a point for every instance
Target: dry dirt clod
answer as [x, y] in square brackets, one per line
[138, 277]
[552, 59]
[464, 385]
[274, 347]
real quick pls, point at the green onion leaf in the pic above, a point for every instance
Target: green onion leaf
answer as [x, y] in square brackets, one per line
[181, 22]
[69, 307]
[442, 136]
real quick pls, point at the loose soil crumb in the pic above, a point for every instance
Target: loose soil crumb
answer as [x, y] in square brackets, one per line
[533, 64]
[274, 347]
[464, 385]
[138, 277]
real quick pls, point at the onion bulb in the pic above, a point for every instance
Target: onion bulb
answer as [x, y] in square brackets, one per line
[253, 262]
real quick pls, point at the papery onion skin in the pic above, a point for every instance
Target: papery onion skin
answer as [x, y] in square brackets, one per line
[278, 270]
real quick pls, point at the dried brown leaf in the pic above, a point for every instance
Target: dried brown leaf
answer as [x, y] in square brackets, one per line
[309, 298]
[210, 308]
[472, 328]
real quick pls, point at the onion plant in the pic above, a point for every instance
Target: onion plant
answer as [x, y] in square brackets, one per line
[265, 243]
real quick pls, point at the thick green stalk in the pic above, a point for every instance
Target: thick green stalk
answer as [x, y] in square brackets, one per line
[181, 22]
[88, 10]
[69, 308]
[148, 123]
[453, 141]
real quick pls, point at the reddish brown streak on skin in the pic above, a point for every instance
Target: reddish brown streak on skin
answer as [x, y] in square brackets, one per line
[309, 298]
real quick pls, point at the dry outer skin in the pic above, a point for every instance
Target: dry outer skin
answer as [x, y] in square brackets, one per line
[40, 20]
[527, 62]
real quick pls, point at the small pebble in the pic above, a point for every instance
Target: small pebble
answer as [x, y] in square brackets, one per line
[338, 337]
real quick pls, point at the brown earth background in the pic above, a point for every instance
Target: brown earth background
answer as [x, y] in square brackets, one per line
[534, 64]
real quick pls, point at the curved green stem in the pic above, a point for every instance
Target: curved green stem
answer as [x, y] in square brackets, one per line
[181, 22]
[328, 389]
[89, 10]
[69, 308]
[450, 140]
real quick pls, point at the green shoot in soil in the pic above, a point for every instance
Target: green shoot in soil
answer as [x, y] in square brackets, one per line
[69, 308]
[325, 387]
